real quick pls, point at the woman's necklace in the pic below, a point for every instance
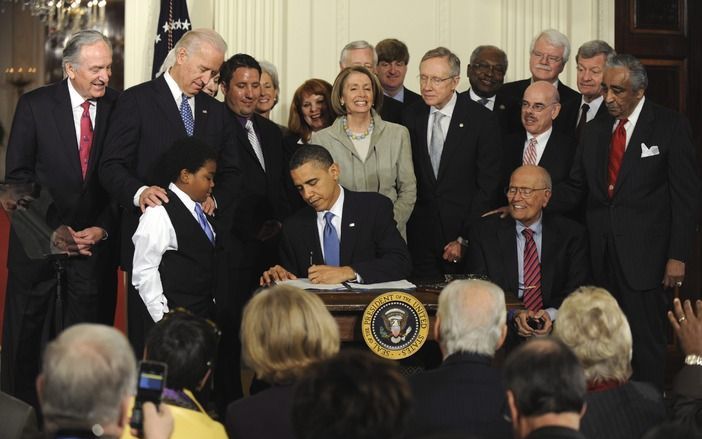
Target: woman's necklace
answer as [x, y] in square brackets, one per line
[353, 136]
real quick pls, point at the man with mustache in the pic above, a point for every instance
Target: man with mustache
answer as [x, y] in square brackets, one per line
[56, 142]
[548, 56]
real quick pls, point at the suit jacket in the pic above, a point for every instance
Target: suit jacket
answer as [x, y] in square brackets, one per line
[557, 158]
[370, 242]
[19, 419]
[654, 208]
[686, 407]
[468, 179]
[43, 149]
[391, 111]
[263, 415]
[564, 255]
[570, 114]
[410, 98]
[507, 110]
[465, 394]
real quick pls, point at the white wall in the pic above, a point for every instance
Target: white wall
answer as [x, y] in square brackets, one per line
[303, 38]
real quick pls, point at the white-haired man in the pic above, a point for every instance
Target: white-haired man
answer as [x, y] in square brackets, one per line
[465, 394]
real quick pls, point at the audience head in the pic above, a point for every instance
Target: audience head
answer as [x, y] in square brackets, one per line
[591, 59]
[528, 193]
[486, 71]
[623, 85]
[549, 54]
[540, 106]
[393, 58]
[311, 108]
[354, 395]
[544, 379]
[284, 330]
[87, 62]
[191, 164]
[358, 53]
[471, 318]
[356, 89]
[593, 325]
[88, 376]
[439, 75]
[240, 79]
[315, 176]
[270, 87]
[188, 345]
[198, 56]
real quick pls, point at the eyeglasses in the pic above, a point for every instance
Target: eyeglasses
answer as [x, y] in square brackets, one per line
[433, 79]
[537, 107]
[525, 192]
[551, 59]
[492, 68]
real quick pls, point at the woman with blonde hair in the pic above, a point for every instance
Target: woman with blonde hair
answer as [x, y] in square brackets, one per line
[283, 331]
[593, 325]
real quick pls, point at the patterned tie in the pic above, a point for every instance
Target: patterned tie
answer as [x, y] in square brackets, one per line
[253, 140]
[86, 138]
[581, 122]
[202, 219]
[331, 241]
[616, 154]
[436, 145]
[186, 113]
[530, 153]
[532, 298]
[484, 101]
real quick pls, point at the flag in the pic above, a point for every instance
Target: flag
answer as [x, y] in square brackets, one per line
[173, 22]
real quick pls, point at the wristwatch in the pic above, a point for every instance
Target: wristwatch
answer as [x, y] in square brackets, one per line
[693, 360]
[462, 241]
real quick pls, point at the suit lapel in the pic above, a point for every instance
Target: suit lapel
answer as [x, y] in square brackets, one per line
[422, 147]
[508, 250]
[348, 229]
[63, 117]
[164, 100]
[459, 120]
[102, 113]
[202, 108]
[632, 155]
[549, 251]
[311, 237]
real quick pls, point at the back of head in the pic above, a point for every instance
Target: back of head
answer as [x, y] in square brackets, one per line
[354, 395]
[187, 344]
[593, 325]
[472, 317]
[87, 373]
[311, 154]
[284, 330]
[544, 376]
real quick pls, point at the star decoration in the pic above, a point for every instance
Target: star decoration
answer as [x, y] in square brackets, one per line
[165, 27]
[158, 38]
[185, 25]
[176, 24]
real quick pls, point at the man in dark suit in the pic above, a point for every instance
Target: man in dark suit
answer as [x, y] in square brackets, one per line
[465, 394]
[639, 171]
[393, 58]
[342, 235]
[456, 152]
[56, 142]
[486, 74]
[502, 249]
[545, 390]
[548, 56]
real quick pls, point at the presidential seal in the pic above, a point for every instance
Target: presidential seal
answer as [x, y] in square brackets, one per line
[395, 325]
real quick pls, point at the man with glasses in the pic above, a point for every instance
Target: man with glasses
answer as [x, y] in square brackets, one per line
[456, 152]
[538, 256]
[548, 56]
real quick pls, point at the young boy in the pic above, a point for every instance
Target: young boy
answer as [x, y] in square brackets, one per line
[175, 244]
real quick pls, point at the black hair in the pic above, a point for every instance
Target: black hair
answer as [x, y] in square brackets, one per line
[189, 153]
[545, 376]
[311, 153]
[187, 344]
[226, 71]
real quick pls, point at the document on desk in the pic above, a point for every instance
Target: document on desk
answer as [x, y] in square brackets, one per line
[306, 284]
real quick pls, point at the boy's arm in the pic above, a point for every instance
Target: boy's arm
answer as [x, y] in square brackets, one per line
[154, 236]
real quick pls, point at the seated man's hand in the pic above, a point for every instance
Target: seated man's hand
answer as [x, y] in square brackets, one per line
[521, 321]
[687, 324]
[328, 274]
[503, 211]
[275, 274]
[152, 196]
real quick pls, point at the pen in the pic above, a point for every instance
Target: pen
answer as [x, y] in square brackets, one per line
[311, 258]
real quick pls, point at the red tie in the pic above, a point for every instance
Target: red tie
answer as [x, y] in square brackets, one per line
[532, 298]
[86, 137]
[616, 154]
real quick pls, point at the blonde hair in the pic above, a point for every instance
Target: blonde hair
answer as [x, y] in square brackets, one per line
[593, 325]
[284, 330]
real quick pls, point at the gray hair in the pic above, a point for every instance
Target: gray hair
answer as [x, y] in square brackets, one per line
[87, 372]
[637, 72]
[477, 50]
[168, 62]
[593, 48]
[71, 52]
[267, 67]
[555, 38]
[441, 52]
[192, 40]
[355, 45]
[469, 323]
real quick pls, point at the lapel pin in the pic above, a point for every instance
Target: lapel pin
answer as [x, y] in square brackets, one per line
[460, 125]
[204, 111]
[352, 224]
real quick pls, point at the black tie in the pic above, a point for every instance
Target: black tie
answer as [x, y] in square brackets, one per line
[582, 121]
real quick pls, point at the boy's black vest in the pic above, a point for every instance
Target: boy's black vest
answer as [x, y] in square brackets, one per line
[188, 274]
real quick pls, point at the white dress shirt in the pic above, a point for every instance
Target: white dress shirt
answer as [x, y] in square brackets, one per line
[490, 104]
[337, 209]
[594, 108]
[447, 111]
[76, 102]
[631, 124]
[541, 141]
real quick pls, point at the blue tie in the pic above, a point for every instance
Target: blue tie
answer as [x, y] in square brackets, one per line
[331, 241]
[203, 223]
[187, 115]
